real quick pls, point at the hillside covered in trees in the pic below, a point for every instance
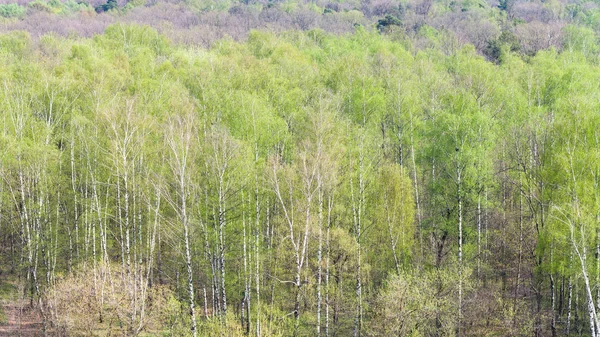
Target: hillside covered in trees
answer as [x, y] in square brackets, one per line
[374, 168]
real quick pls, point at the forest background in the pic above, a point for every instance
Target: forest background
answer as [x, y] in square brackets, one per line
[324, 168]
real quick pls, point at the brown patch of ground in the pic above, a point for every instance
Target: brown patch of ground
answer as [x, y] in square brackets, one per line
[21, 320]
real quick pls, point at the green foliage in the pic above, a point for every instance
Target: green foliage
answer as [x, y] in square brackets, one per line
[581, 39]
[389, 20]
[108, 6]
[393, 214]
[134, 40]
[7, 291]
[69, 7]
[229, 326]
[495, 49]
[15, 46]
[291, 136]
[417, 305]
[12, 10]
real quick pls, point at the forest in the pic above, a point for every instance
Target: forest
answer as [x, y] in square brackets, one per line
[341, 168]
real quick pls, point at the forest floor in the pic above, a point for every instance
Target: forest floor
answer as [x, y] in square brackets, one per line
[17, 318]
[20, 320]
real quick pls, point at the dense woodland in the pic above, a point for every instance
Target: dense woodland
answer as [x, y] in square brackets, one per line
[302, 169]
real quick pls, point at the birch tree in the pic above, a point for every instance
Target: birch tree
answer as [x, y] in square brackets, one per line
[180, 137]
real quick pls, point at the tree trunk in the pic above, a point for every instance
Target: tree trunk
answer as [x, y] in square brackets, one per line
[328, 253]
[320, 258]
[222, 223]
[593, 318]
[257, 256]
[569, 303]
[416, 186]
[188, 258]
[460, 252]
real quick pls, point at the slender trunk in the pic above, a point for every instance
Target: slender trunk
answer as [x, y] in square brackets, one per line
[75, 202]
[519, 259]
[359, 267]
[460, 252]
[591, 309]
[257, 257]
[552, 294]
[38, 236]
[597, 254]
[256, 228]
[390, 232]
[297, 286]
[359, 309]
[561, 298]
[246, 299]
[485, 235]
[121, 234]
[205, 301]
[188, 257]
[569, 303]
[576, 320]
[26, 230]
[152, 246]
[357, 206]
[593, 318]
[299, 242]
[303, 254]
[222, 223]
[416, 187]
[553, 304]
[128, 245]
[319, 259]
[479, 235]
[209, 258]
[273, 261]
[55, 250]
[328, 251]
[94, 252]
